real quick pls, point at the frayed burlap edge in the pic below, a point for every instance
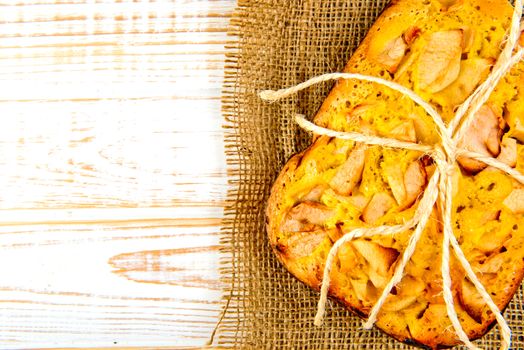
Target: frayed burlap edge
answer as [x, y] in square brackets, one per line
[276, 44]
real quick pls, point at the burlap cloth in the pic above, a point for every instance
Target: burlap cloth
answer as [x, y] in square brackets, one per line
[278, 44]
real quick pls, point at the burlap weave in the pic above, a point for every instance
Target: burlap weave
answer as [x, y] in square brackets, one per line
[278, 44]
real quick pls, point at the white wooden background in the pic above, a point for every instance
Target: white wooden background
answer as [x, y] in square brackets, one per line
[112, 171]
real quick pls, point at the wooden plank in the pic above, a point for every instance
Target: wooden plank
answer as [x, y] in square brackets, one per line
[132, 114]
[110, 154]
[113, 172]
[101, 285]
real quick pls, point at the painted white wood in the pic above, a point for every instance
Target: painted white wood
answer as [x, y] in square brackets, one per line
[112, 172]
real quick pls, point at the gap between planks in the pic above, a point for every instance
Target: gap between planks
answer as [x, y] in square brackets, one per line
[177, 216]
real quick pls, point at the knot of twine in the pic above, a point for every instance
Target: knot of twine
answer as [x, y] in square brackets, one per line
[439, 188]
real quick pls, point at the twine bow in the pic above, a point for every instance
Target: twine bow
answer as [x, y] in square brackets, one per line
[439, 188]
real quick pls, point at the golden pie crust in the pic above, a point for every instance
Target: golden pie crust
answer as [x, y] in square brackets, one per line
[442, 50]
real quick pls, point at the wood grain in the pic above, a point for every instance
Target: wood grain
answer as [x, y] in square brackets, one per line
[113, 175]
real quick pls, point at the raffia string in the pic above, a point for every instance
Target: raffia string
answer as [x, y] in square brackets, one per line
[439, 189]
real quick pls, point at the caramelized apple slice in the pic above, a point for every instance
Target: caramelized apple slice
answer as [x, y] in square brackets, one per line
[414, 181]
[508, 152]
[408, 186]
[472, 72]
[365, 290]
[315, 193]
[392, 54]
[493, 263]
[350, 172]
[377, 207]
[468, 38]
[397, 303]
[471, 300]
[439, 63]
[407, 292]
[302, 244]
[359, 201]
[518, 130]
[405, 131]
[395, 180]
[377, 279]
[305, 216]
[379, 258]
[492, 241]
[293, 225]
[482, 137]
[514, 117]
[515, 201]
[405, 65]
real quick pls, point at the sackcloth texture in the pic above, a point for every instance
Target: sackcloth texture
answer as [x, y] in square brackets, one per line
[276, 44]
